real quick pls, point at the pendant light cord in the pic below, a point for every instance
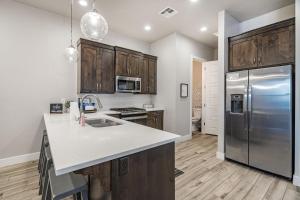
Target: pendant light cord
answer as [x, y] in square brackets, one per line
[94, 5]
[71, 22]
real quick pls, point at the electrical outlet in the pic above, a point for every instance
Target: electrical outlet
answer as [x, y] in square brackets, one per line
[123, 166]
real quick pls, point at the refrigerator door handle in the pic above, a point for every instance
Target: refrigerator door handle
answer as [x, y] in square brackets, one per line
[245, 111]
[250, 107]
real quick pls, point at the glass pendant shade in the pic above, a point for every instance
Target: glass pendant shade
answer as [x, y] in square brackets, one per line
[94, 26]
[71, 54]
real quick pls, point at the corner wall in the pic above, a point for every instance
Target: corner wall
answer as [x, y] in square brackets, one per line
[174, 67]
[227, 27]
[165, 50]
[296, 177]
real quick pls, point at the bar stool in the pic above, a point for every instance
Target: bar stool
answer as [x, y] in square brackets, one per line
[46, 164]
[60, 187]
[54, 187]
[45, 143]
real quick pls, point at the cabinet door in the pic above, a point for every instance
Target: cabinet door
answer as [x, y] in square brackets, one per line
[159, 120]
[243, 54]
[106, 63]
[121, 63]
[133, 65]
[155, 119]
[147, 175]
[144, 74]
[152, 65]
[277, 47]
[151, 120]
[88, 69]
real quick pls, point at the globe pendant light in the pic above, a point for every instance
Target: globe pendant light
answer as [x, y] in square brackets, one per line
[71, 52]
[93, 25]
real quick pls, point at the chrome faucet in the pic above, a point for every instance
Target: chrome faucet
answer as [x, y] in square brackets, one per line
[92, 96]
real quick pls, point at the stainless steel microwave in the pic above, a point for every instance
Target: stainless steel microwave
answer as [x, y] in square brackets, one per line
[128, 84]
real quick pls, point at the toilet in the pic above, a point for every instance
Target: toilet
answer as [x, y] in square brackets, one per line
[196, 119]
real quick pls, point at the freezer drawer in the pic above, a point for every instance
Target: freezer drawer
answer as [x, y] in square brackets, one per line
[236, 134]
[270, 120]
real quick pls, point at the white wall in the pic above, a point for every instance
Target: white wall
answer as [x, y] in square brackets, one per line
[268, 18]
[297, 111]
[165, 49]
[174, 67]
[34, 73]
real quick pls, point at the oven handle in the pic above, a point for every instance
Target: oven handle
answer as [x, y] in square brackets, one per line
[134, 118]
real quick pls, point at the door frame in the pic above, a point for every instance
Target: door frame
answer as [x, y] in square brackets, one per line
[193, 57]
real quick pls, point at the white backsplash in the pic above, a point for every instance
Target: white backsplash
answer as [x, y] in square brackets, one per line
[123, 100]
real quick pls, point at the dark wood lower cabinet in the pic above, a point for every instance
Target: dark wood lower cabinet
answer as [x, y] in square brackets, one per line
[147, 175]
[156, 119]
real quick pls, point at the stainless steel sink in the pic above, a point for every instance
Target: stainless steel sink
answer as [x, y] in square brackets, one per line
[98, 123]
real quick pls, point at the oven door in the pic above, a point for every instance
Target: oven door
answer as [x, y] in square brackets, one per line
[141, 119]
[128, 84]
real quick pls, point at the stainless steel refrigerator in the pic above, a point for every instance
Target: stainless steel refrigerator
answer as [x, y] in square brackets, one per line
[259, 119]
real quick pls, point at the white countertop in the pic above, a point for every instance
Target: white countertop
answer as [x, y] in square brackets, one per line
[74, 147]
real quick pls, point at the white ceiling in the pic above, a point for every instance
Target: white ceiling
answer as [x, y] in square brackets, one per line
[130, 16]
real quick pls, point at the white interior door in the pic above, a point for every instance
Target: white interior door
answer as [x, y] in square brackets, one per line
[210, 96]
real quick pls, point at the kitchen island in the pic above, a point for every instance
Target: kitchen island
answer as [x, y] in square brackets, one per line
[126, 161]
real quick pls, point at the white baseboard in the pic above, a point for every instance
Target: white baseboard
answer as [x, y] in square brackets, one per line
[296, 180]
[220, 155]
[19, 159]
[183, 138]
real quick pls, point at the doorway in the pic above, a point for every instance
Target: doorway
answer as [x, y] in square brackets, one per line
[196, 95]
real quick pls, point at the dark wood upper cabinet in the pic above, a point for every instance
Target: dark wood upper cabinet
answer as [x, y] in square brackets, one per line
[243, 53]
[107, 71]
[96, 72]
[121, 63]
[152, 70]
[265, 47]
[134, 64]
[277, 46]
[144, 74]
[98, 64]
[128, 62]
[88, 68]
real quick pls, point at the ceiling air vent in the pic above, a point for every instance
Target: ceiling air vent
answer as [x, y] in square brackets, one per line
[168, 12]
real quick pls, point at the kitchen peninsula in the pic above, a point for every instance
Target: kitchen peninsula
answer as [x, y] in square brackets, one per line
[124, 161]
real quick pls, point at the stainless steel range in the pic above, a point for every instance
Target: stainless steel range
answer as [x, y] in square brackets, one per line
[136, 115]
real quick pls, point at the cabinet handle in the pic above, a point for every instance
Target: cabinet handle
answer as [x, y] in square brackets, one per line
[97, 86]
[100, 86]
[254, 60]
[259, 60]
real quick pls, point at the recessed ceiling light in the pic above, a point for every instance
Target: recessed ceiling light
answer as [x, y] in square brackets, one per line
[83, 3]
[193, 1]
[203, 29]
[147, 28]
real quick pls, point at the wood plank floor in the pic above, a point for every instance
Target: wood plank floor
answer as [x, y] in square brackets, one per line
[205, 177]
